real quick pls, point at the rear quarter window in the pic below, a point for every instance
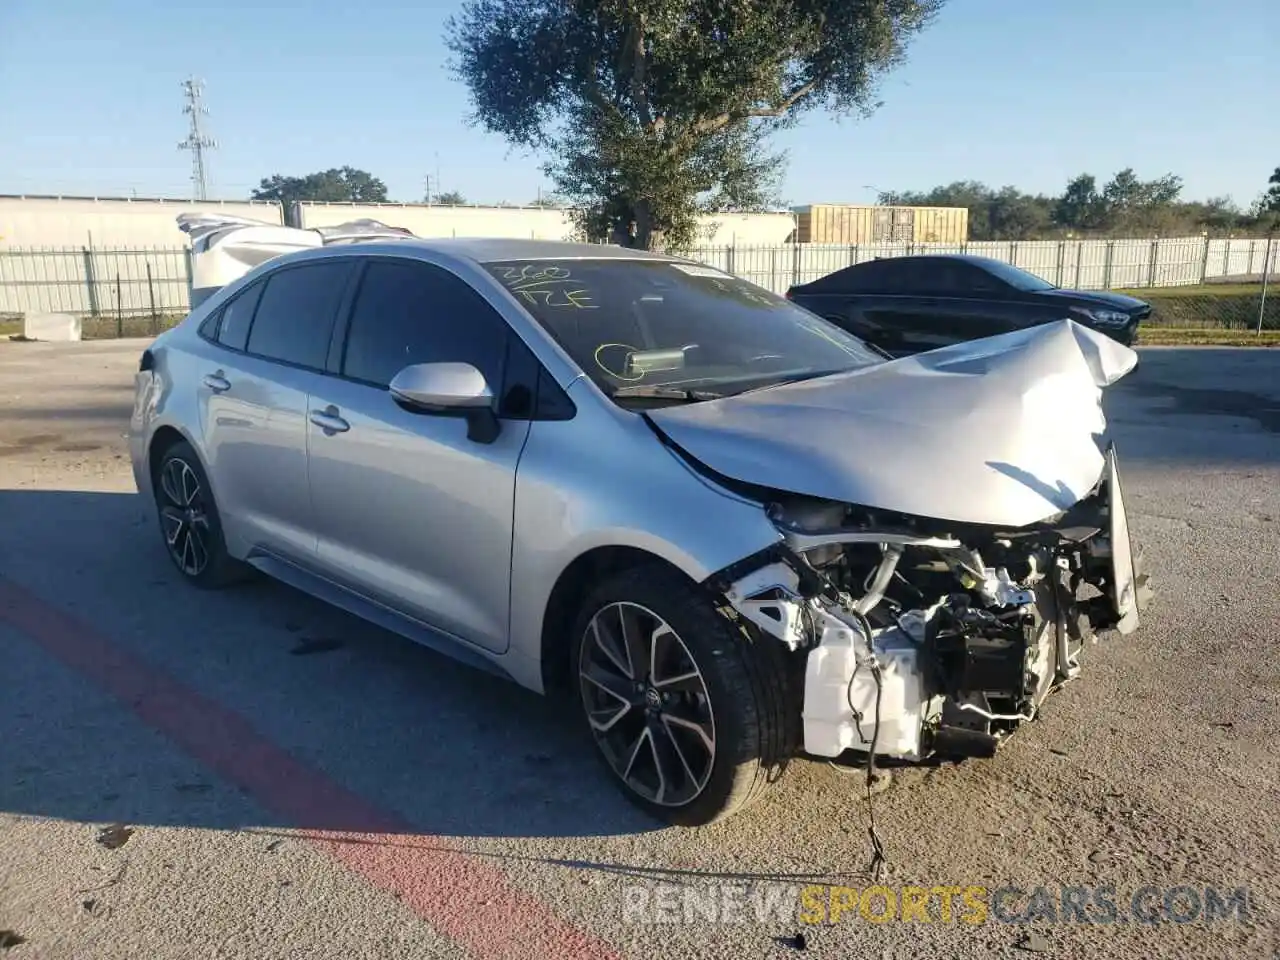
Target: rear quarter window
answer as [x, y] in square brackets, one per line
[232, 321]
[874, 276]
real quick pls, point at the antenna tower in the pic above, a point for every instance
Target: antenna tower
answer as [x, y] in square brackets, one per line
[197, 142]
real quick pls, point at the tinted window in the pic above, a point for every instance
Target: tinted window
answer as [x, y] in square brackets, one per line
[633, 324]
[905, 275]
[1015, 277]
[946, 277]
[408, 313]
[294, 320]
[873, 276]
[236, 317]
[975, 282]
[209, 328]
[849, 280]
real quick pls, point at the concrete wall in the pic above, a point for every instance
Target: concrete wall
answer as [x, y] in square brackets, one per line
[116, 224]
[535, 223]
[746, 229]
[124, 224]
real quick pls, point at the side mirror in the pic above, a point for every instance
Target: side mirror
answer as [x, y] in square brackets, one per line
[449, 389]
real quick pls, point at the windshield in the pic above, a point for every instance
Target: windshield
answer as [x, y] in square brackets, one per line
[676, 331]
[1016, 277]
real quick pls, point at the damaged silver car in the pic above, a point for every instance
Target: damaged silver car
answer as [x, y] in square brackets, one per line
[729, 532]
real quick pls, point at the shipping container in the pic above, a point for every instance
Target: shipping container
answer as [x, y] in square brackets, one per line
[112, 223]
[941, 225]
[833, 223]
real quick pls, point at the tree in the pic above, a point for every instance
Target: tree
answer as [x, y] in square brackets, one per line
[450, 198]
[653, 110]
[1125, 206]
[336, 184]
[1139, 204]
[1014, 215]
[1270, 202]
[1122, 193]
[1215, 215]
[1126, 191]
[1006, 214]
[1081, 207]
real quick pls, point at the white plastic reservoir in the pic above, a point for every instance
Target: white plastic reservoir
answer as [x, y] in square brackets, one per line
[840, 695]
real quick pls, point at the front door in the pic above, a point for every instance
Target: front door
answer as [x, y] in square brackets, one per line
[409, 511]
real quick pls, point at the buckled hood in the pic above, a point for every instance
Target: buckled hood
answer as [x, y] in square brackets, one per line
[1002, 430]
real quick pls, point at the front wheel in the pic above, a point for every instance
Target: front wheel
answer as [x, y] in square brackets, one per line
[691, 713]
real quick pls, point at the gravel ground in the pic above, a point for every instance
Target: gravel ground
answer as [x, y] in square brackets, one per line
[375, 799]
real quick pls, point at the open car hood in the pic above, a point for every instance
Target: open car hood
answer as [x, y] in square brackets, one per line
[1002, 430]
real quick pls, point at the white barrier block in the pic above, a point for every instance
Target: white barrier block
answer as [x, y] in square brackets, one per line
[59, 327]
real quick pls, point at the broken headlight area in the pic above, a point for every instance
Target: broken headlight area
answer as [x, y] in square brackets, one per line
[923, 638]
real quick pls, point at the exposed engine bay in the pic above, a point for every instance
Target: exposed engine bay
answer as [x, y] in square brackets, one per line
[930, 638]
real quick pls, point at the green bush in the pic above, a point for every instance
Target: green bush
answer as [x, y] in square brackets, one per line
[1211, 306]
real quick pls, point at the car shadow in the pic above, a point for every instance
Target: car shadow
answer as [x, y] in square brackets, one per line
[445, 748]
[1058, 493]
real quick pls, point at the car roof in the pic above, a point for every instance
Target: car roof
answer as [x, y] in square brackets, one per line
[913, 257]
[976, 259]
[495, 249]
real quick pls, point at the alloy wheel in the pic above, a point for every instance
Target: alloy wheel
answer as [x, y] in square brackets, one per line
[647, 704]
[184, 517]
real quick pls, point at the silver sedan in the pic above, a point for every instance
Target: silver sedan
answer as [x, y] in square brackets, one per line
[731, 533]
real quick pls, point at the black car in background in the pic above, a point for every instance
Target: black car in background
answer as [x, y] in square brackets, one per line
[910, 304]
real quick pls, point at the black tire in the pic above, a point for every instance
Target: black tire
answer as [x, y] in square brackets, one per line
[194, 528]
[748, 679]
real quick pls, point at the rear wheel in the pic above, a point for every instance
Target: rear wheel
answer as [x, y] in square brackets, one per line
[189, 521]
[689, 712]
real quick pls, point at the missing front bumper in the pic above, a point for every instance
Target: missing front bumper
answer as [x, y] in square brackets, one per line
[903, 690]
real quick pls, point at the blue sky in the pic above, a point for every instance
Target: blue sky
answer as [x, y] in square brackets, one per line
[1022, 92]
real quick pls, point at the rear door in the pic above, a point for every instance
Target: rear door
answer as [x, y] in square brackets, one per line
[943, 301]
[850, 298]
[275, 337]
[410, 512]
[894, 309]
[983, 305]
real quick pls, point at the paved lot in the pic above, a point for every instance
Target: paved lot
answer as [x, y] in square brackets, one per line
[301, 785]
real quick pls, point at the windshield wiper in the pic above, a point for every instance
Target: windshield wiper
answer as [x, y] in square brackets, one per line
[789, 380]
[659, 391]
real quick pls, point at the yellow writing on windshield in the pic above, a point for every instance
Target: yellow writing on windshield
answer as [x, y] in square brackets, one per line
[547, 286]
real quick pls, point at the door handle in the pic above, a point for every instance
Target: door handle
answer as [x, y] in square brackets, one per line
[329, 421]
[217, 382]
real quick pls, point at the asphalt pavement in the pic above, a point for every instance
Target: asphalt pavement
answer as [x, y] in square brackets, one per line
[252, 774]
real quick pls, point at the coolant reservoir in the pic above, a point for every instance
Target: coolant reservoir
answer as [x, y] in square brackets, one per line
[840, 695]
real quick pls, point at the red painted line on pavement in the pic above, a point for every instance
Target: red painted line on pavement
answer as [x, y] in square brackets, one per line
[470, 902]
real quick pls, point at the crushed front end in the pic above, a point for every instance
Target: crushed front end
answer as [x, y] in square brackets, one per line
[926, 638]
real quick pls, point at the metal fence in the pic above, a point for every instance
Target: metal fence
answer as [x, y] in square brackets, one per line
[94, 282]
[1075, 264]
[156, 283]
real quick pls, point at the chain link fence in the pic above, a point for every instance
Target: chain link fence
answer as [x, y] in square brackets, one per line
[1192, 283]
